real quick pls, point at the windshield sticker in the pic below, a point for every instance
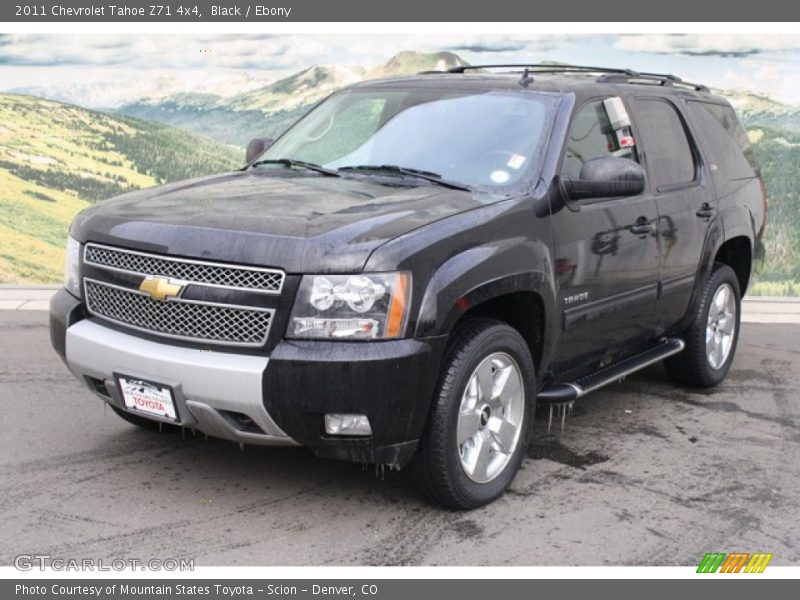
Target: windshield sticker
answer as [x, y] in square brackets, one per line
[516, 161]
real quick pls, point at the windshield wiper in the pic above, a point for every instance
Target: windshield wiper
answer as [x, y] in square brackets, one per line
[411, 172]
[290, 162]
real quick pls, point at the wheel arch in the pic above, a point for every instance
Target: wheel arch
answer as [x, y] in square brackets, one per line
[493, 282]
[737, 253]
[727, 245]
[522, 310]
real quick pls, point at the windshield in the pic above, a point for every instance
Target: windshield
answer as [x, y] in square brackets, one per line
[480, 139]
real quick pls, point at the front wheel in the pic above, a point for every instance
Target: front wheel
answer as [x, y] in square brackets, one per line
[712, 336]
[478, 429]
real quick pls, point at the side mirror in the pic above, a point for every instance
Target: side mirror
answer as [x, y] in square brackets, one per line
[606, 177]
[256, 147]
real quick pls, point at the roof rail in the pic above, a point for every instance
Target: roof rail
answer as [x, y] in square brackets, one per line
[657, 78]
[607, 74]
[541, 68]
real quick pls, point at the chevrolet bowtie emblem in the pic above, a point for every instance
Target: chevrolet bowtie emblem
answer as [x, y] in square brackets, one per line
[160, 288]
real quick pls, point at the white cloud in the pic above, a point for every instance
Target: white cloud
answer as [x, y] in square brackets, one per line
[708, 44]
[105, 71]
[229, 51]
[241, 51]
[778, 81]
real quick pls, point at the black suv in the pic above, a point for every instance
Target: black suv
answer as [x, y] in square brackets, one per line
[401, 275]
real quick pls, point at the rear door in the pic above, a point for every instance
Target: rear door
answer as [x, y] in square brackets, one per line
[684, 199]
[607, 254]
[731, 165]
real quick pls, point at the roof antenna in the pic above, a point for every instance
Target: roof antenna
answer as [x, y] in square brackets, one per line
[526, 78]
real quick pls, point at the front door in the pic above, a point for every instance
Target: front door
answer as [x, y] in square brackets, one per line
[607, 255]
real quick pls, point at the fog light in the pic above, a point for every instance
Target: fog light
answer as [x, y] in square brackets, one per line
[338, 424]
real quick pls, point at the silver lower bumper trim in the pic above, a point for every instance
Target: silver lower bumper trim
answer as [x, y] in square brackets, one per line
[207, 384]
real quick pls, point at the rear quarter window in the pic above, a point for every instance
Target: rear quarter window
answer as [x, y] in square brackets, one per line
[725, 138]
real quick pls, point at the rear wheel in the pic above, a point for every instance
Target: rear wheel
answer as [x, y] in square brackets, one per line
[712, 336]
[478, 429]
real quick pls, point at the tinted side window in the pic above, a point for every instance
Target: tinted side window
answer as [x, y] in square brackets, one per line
[669, 155]
[727, 140]
[591, 136]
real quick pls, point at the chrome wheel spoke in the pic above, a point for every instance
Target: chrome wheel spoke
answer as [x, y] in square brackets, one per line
[469, 421]
[484, 378]
[720, 299]
[472, 393]
[500, 380]
[504, 434]
[483, 458]
[512, 388]
[469, 453]
[718, 353]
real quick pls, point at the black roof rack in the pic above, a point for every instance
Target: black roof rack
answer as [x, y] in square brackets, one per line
[653, 78]
[607, 75]
[541, 68]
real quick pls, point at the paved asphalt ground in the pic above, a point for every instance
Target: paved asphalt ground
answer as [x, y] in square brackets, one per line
[645, 473]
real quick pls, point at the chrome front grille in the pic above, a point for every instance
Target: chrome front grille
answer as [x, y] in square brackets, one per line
[268, 281]
[178, 318]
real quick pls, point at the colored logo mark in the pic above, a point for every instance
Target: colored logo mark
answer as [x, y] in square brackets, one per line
[735, 562]
[160, 288]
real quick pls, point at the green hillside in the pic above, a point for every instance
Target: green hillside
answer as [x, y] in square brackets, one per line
[56, 159]
[778, 154]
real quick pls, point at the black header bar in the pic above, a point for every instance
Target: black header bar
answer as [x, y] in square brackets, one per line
[189, 11]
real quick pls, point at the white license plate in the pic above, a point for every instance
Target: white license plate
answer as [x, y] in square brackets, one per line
[148, 398]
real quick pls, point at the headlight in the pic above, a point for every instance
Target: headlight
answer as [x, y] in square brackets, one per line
[72, 261]
[362, 307]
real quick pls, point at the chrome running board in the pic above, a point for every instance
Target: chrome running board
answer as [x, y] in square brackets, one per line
[571, 391]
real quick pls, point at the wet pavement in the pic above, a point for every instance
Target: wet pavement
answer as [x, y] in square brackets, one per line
[644, 473]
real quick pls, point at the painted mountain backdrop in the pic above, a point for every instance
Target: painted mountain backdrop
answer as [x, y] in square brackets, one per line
[56, 158]
[269, 110]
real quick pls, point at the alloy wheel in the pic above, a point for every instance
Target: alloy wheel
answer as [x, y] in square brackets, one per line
[490, 417]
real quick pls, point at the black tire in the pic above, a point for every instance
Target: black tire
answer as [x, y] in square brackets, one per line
[436, 469]
[142, 422]
[692, 367]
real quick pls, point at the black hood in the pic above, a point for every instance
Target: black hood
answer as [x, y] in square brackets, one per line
[298, 223]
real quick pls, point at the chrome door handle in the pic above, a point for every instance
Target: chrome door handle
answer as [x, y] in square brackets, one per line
[706, 211]
[642, 227]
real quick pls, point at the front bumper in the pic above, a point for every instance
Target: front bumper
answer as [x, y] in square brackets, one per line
[279, 399]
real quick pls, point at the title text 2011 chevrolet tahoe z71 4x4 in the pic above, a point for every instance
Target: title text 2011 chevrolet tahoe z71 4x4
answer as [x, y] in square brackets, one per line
[401, 275]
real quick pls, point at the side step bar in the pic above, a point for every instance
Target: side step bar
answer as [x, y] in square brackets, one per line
[567, 392]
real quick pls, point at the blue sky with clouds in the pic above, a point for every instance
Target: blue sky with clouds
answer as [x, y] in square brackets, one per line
[105, 71]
